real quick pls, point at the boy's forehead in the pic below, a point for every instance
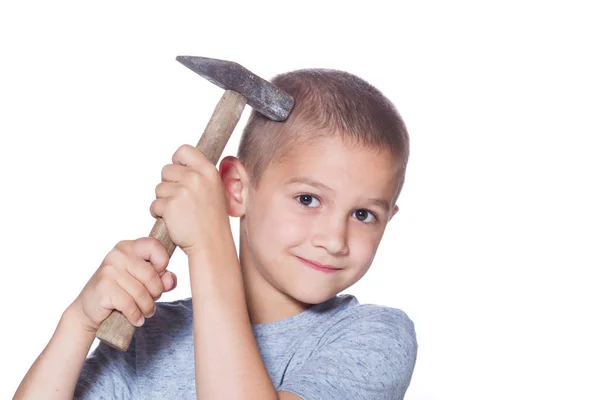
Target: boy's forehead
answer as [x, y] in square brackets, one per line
[328, 149]
[331, 160]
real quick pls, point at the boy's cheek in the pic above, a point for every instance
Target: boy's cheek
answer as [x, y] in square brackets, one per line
[363, 249]
[289, 229]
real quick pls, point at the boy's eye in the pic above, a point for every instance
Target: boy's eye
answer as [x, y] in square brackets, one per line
[308, 200]
[364, 215]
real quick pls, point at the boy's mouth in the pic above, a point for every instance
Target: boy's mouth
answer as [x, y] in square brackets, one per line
[319, 267]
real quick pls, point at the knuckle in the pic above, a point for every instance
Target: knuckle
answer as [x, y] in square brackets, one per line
[160, 260]
[147, 275]
[123, 244]
[148, 308]
[157, 288]
[116, 261]
[110, 257]
[139, 293]
[164, 171]
[108, 272]
[122, 247]
[164, 210]
[152, 208]
[153, 244]
[181, 150]
[142, 242]
[158, 295]
[132, 312]
[103, 286]
[128, 305]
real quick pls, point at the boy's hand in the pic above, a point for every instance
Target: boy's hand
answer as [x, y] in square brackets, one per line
[132, 276]
[191, 201]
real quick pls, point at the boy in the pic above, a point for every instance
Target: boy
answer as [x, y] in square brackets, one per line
[314, 195]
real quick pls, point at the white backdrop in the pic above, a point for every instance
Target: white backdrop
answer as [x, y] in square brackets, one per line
[494, 253]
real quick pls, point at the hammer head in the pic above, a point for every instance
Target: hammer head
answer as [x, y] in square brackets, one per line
[260, 94]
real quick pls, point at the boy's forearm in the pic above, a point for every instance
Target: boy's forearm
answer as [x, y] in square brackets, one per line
[228, 363]
[55, 372]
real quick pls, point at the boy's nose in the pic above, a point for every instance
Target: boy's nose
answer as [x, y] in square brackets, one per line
[332, 236]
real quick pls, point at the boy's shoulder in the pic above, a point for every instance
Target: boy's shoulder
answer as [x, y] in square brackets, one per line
[371, 350]
[345, 309]
[348, 317]
[342, 315]
[350, 305]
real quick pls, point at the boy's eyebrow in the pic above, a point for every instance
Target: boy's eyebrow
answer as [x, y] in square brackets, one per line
[308, 181]
[381, 203]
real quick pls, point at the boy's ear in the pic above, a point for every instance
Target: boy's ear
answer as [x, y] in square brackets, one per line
[235, 179]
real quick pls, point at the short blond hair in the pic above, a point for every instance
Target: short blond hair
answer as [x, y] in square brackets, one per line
[326, 101]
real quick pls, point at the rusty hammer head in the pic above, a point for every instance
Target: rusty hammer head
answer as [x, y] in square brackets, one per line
[260, 94]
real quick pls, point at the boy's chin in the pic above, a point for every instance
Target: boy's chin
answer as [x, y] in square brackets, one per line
[311, 298]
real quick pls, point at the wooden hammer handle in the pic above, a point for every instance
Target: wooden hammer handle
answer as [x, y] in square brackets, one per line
[116, 331]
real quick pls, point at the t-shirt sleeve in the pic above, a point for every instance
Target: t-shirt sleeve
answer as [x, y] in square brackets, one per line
[367, 356]
[108, 374]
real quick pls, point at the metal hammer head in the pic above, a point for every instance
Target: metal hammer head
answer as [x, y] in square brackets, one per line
[260, 94]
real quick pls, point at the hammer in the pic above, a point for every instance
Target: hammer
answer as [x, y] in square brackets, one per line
[241, 87]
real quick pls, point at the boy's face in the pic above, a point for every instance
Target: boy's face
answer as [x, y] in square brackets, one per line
[326, 204]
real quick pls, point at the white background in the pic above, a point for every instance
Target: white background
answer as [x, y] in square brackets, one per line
[494, 253]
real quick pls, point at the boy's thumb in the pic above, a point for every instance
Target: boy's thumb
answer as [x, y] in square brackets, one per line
[169, 281]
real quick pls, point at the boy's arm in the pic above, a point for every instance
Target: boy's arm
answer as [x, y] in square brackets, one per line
[50, 377]
[131, 276]
[191, 200]
[228, 363]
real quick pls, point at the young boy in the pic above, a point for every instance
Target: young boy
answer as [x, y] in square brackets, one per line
[314, 195]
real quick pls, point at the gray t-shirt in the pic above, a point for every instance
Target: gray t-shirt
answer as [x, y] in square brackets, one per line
[338, 349]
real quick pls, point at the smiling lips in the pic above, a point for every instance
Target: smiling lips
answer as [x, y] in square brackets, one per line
[328, 269]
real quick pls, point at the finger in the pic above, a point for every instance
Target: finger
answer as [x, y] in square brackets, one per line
[166, 189]
[189, 156]
[169, 281]
[150, 249]
[138, 292]
[173, 173]
[119, 300]
[157, 207]
[146, 274]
